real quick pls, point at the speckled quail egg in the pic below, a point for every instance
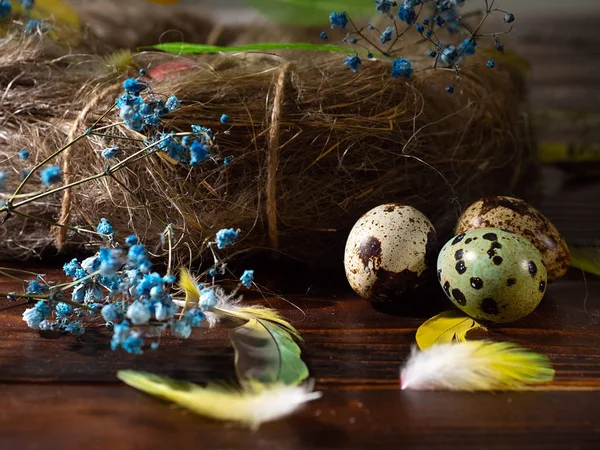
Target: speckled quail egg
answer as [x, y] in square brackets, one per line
[514, 214]
[388, 251]
[491, 274]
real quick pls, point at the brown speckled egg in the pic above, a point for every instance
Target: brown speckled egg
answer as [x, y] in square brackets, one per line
[515, 215]
[388, 251]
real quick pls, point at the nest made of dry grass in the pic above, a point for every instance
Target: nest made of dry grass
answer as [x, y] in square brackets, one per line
[314, 146]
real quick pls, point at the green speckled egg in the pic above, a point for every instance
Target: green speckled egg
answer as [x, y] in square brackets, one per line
[492, 274]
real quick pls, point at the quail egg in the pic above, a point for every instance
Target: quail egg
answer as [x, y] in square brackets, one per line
[492, 275]
[388, 251]
[515, 215]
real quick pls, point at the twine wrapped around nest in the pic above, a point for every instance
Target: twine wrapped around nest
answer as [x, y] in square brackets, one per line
[314, 146]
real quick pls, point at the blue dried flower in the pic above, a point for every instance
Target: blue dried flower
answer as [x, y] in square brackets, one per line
[134, 343]
[110, 313]
[35, 287]
[134, 86]
[121, 332]
[172, 103]
[339, 20]
[204, 134]
[208, 299]
[227, 160]
[147, 282]
[428, 34]
[384, 6]
[35, 26]
[91, 264]
[71, 268]
[27, 4]
[225, 237]
[420, 28]
[467, 47]
[5, 10]
[491, 64]
[165, 310]
[51, 175]
[137, 256]
[33, 318]
[432, 53]
[138, 313]
[353, 62]
[130, 240]
[169, 279]
[224, 118]
[24, 154]
[509, 18]
[63, 310]
[111, 260]
[386, 36]
[212, 273]
[75, 328]
[407, 13]
[181, 329]
[93, 293]
[194, 317]
[402, 67]
[198, 153]
[450, 55]
[78, 294]
[105, 227]
[111, 282]
[323, 35]
[111, 152]
[247, 278]
[450, 89]
[353, 41]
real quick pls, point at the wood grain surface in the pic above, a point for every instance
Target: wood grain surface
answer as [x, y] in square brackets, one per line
[62, 392]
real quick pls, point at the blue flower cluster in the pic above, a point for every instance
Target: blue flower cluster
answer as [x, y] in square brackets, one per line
[138, 112]
[191, 149]
[136, 303]
[51, 175]
[226, 237]
[441, 14]
[5, 9]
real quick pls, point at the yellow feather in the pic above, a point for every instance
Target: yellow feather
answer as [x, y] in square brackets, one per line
[258, 312]
[252, 405]
[445, 328]
[187, 283]
[476, 366]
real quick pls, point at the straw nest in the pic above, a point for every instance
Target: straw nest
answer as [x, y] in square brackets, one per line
[314, 147]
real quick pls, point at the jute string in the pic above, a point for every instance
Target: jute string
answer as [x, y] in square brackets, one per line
[273, 158]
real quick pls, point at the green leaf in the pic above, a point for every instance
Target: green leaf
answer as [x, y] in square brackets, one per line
[445, 328]
[310, 12]
[586, 259]
[267, 352]
[184, 48]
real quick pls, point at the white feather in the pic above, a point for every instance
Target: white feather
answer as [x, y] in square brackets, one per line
[474, 366]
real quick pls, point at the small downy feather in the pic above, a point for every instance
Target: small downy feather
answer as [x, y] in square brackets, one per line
[253, 404]
[446, 327]
[475, 366]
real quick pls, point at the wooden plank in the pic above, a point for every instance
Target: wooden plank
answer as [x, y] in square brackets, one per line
[347, 341]
[99, 416]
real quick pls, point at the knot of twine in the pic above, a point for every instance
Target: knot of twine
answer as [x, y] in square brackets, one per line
[67, 200]
[273, 157]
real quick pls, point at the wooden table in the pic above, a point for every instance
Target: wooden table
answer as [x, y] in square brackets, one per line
[62, 393]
